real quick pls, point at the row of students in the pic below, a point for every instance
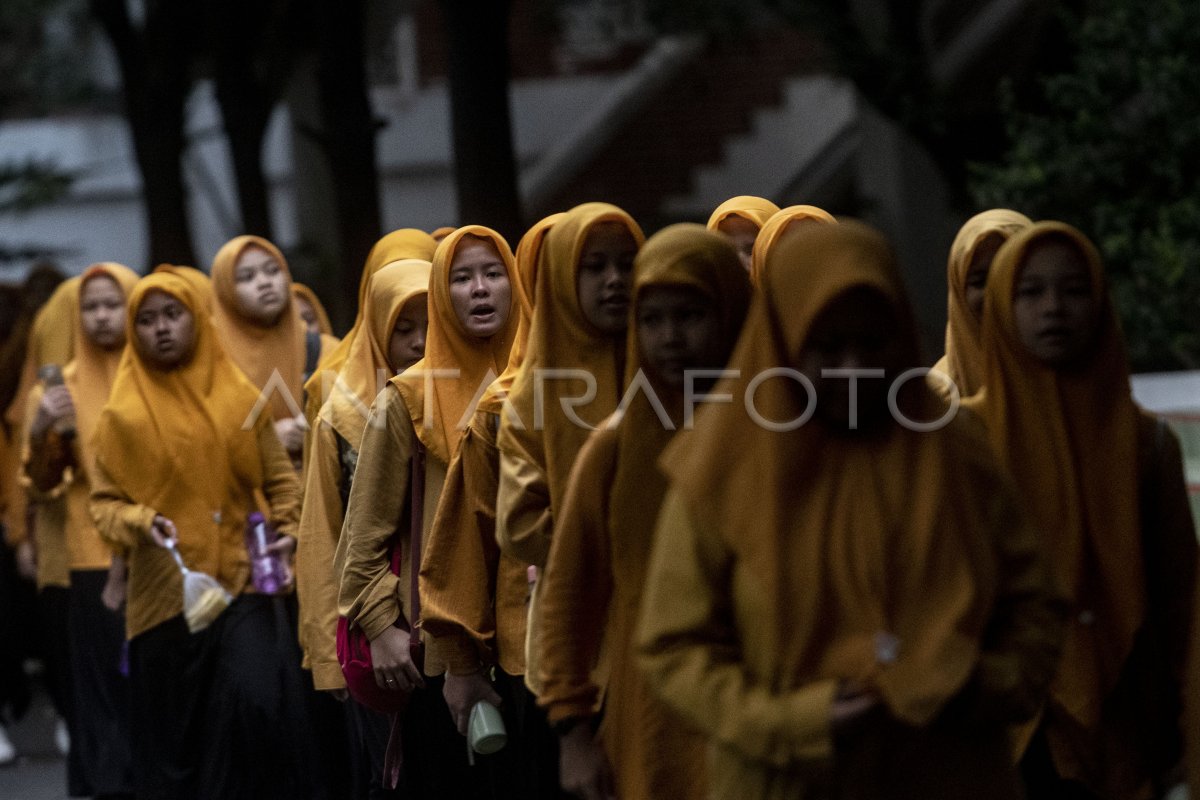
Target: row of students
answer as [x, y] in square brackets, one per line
[852, 607]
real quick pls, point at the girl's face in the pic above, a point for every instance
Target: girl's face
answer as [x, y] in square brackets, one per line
[407, 344]
[165, 331]
[604, 276]
[858, 330]
[977, 272]
[743, 232]
[308, 314]
[479, 287]
[261, 286]
[102, 312]
[1053, 304]
[678, 329]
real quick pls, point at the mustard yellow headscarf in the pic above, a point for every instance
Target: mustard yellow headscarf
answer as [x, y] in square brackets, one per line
[528, 252]
[201, 283]
[963, 360]
[260, 351]
[309, 296]
[1069, 440]
[399, 245]
[177, 441]
[754, 209]
[440, 408]
[854, 538]
[358, 383]
[774, 230]
[95, 368]
[560, 337]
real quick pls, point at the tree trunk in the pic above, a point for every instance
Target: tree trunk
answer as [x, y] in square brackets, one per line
[155, 66]
[348, 134]
[485, 169]
[245, 114]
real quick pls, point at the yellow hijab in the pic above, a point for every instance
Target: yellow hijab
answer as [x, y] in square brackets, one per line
[775, 229]
[1069, 440]
[561, 338]
[260, 351]
[201, 283]
[176, 441]
[448, 346]
[399, 245]
[684, 255]
[963, 361]
[856, 540]
[95, 368]
[51, 341]
[358, 383]
[528, 251]
[309, 296]
[755, 209]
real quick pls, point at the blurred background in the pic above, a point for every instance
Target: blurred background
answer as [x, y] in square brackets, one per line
[145, 131]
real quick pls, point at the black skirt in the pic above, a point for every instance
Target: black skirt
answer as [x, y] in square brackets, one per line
[224, 713]
[100, 734]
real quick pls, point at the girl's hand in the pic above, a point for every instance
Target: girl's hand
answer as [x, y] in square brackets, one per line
[56, 404]
[163, 532]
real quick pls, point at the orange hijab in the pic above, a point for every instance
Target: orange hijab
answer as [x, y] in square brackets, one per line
[755, 209]
[963, 361]
[95, 368]
[299, 290]
[862, 543]
[405, 243]
[684, 255]
[561, 338]
[177, 441]
[260, 352]
[440, 408]
[775, 229]
[1069, 440]
[528, 251]
[441, 233]
[359, 381]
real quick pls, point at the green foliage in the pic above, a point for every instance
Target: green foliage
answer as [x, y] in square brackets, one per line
[1113, 147]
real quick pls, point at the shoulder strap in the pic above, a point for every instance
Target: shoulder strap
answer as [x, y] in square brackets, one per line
[312, 353]
[417, 504]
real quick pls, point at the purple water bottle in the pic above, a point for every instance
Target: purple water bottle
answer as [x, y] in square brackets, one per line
[267, 570]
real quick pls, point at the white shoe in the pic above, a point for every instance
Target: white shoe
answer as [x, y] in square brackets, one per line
[8, 753]
[62, 739]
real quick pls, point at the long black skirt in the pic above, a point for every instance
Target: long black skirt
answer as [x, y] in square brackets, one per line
[101, 731]
[53, 614]
[224, 713]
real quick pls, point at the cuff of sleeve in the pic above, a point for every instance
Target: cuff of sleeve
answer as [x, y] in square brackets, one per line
[327, 676]
[456, 652]
[558, 711]
[143, 522]
[809, 710]
[378, 618]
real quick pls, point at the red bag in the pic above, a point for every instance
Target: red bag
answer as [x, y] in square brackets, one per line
[353, 646]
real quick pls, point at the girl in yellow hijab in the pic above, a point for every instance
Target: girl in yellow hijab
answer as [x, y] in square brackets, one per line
[312, 311]
[689, 302]
[473, 597]
[57, 465]
[569, 382]
[415, 424]
[967, 269]
[782, 225]
[399, 245]
[741, 218]
[1104, 482]
[180, 460]
[392, 339]
[842, 602]
[260, 327]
